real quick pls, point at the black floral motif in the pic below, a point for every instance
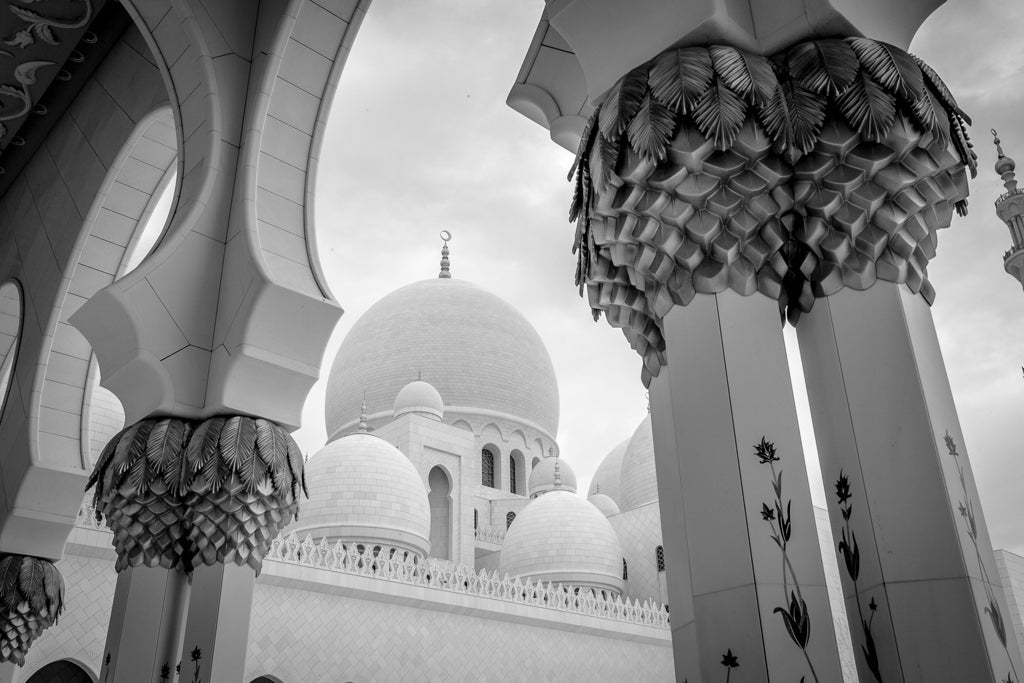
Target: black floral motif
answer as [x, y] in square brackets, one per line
[966, 509]
[779, 516]
[851, 559]
[165, 672]
[730, 662]
[196, 656]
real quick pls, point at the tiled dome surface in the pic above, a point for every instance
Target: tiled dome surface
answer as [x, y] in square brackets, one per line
[606, 478]
[361, 488]
[561, 538]
[637, 480]
[475, 348]
[419, 397]
[542, 477]
[606, 505]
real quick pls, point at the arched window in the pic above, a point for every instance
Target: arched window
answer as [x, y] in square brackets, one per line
[512, 474]
[439, 497]
[476, 519]
[509, 518]
[536, 461]
[10, 330]
[625, 572]
[659, 556]
[487, 467]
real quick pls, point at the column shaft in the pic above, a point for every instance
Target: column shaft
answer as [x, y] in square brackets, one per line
[217, 628]
[144, 634]
[725, 399]
[922, 589]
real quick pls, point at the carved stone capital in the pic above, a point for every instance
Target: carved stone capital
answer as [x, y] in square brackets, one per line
[31, 599]
[832, 165]
[179, 493]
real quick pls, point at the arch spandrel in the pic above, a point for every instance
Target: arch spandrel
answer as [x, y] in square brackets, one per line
[241, 219]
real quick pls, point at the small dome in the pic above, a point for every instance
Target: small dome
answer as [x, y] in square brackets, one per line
[419, 397]
[606, 505]
[542, 478]
[561, 538]
[606, 478]
[364, 490]
[638, 481]
[1005, 165]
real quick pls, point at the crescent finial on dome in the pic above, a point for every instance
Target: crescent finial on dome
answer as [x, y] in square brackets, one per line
[1005, 165]
[362, 416]
[445, 263]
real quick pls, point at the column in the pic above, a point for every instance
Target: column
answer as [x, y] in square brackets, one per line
[921, 585]
[217, 630]
[730, 464]
[144, 635]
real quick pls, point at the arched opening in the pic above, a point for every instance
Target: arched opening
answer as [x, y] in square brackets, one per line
[509, 518]
[440, 513]
[487, 465]
[625, 570]
[266, 679]
[517, 472]
[10, 331]
[62, 671]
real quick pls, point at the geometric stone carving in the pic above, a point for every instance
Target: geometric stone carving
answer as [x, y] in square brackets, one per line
[178, 494]
[707, 169]
[31, 598]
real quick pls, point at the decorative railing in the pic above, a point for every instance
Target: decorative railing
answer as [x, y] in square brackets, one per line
[401, 566]
[390, 564]
[490, 534]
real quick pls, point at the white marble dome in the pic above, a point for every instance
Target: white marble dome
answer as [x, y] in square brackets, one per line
[364, 490]
[606, 478]
[542, 477]
[480, 353]
[605, 504]
[419, 397]
[638, 483]
[561, 538]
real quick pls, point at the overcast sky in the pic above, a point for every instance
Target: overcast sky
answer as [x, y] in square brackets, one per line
[420, 140]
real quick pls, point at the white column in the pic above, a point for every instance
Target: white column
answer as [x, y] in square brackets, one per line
[217, 629]
[725, 388]
[144, 634]
[924, 592]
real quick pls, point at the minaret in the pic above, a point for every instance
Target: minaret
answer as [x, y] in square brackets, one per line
[445, 263]
[1010, 209]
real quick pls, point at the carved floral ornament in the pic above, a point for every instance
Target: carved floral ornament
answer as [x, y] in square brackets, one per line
[31, 599]
[179, 494]
[830, 165]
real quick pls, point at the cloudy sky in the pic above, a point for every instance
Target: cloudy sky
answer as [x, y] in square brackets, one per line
[420, 140]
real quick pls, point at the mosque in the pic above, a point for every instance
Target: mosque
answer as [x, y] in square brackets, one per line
[444, 537]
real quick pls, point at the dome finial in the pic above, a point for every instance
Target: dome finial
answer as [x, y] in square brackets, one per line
[362, 416]
[558, 473]
[445, 263]
[1004, 165]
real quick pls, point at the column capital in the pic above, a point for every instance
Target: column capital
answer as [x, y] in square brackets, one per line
[709, 168]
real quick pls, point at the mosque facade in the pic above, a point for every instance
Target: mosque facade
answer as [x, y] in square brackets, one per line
[444, 537]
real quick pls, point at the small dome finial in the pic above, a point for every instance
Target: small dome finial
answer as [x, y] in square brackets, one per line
[362, 416]
[445, 263]
[558, 474]
[1005, 166]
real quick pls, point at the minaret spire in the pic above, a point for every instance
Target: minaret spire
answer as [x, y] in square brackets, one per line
[445, 263]
[1010, 209]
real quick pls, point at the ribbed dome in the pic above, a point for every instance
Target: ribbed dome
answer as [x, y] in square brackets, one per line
[638, 481]
[606, 505]
[480, 353]
[561, 538]
[542, 477]
[606, 478]
[419, 397]
[364, 490]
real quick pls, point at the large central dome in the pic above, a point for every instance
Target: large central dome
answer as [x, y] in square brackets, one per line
[480, 353]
